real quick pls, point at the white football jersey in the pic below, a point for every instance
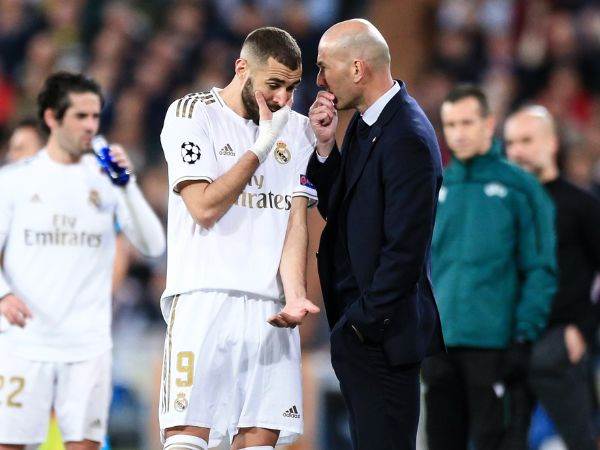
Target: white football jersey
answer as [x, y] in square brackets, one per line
[58, 225]
[203, 138]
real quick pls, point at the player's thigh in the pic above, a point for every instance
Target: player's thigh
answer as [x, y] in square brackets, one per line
[26, 391]
[254, 437]
[83, 394]
[196, 371]
[11, 447]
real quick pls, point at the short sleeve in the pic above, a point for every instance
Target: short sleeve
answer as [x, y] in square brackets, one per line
[303, 186]
[186, 143]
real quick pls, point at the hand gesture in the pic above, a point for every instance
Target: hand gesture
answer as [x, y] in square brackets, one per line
[119, 156]
[575, 343]
[324, 119]
[293, 313]
[15, 310]
[269, 127]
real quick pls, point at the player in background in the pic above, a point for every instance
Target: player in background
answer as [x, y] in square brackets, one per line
[237, 241]
[57, 215]
[25, 140]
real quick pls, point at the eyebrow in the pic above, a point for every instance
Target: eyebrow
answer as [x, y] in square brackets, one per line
[279, 80]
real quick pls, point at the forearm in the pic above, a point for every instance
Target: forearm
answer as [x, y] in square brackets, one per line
[141, 226]
[4, 286]
[534, 306]
[292, 267]
[323, 175]
[209, 202]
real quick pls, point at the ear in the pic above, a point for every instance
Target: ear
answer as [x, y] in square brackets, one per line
[241, 68]
[50, 118]
[554, 144]
[490, 125]
[358, 70]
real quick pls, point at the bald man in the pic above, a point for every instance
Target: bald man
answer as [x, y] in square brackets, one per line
[560, 360]
[379, 197]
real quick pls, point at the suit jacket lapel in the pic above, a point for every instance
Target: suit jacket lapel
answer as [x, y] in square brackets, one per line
[337, 188]
[367, 146]
[365, 151]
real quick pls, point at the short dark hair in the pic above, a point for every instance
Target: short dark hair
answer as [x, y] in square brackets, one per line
[274, 42]
[32, 123]
[56, 90]
[463, 91]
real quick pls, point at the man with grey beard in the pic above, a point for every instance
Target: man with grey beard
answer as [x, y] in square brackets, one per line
[560, 363]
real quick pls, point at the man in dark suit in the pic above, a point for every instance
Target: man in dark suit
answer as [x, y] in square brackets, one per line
[379, 196]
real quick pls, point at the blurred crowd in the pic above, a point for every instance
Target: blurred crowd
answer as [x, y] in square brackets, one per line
[524, 51]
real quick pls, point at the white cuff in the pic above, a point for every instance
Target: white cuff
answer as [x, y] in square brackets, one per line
[143, 229]
[321, 159]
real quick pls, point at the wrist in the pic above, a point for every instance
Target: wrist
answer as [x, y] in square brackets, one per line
[295, 295]
[264, 142]
[323, 149]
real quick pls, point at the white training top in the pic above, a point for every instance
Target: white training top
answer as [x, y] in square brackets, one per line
[58, 224]
[203, 138]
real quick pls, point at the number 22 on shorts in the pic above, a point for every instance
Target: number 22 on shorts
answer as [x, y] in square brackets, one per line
[18, 384]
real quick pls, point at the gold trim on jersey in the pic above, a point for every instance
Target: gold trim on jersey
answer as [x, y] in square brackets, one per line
[184, 111]
[167, 358]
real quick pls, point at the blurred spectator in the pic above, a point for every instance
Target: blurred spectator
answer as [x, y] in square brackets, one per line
[560, 359]
[26, 140]
[493, 268]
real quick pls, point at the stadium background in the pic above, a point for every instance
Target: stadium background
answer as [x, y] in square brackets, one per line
[147, 53]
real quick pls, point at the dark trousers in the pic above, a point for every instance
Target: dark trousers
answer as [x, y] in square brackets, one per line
[466, 404]
[382, 400]
[563, 389]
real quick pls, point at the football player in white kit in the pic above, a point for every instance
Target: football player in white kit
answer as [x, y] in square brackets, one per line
[57, 229]
[236, 255]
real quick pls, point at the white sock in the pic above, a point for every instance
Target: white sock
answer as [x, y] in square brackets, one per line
[185, 442]
[264, 447]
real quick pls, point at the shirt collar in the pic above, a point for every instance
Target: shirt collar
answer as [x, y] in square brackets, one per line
[372, 113]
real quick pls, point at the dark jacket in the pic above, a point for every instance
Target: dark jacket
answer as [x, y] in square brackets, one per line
[494, 263]
[387, 212]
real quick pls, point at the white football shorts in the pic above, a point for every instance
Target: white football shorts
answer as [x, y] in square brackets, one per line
[226, 368]
[79, 392]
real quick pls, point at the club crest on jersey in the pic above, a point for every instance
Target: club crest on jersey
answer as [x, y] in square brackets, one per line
[181, 402]
[94, 199]
[190, 152]
[282, 154]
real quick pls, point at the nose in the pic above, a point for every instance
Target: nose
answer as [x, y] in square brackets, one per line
[321, 82]
[282, 96]
[91, 125]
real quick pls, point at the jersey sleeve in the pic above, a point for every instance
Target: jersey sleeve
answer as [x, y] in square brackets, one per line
[303, 187]
[186, 143]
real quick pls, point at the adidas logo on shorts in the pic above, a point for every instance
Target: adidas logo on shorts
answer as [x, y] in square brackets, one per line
[292, 412]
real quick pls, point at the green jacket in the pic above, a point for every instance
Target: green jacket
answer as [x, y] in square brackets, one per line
[494, 266]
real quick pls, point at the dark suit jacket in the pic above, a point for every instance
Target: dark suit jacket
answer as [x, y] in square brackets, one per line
[387, 212]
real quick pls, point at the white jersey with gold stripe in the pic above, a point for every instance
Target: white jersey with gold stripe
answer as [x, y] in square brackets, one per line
[203, 138]
[57, 222]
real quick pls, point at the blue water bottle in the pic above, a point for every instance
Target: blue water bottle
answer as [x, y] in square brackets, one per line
[117, 174]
